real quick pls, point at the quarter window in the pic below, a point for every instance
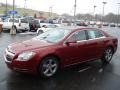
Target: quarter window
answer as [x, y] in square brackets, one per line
[94, 34]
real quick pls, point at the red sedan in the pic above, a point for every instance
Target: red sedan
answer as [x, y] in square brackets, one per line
[58, 48]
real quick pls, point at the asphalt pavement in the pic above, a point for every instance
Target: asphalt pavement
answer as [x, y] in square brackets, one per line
[92, 75]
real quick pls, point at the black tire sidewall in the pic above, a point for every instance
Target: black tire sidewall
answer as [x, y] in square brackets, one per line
[104, 59]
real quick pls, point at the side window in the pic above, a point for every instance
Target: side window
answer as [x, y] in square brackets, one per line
[91, 34]
[98, 34]
[94, 34]
[78, 36]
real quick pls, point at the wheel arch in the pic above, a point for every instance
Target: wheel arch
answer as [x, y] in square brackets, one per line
[111, 46]
[50, 55]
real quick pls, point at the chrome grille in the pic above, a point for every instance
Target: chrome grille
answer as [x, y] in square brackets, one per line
[8, 56]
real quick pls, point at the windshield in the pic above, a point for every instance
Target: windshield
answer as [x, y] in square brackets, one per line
[53, 35]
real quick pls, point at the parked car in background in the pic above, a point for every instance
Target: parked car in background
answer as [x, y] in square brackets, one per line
[99, 24]
[3, 17]
[119, 25]
[112, 25]
[45, 27]
[20, 24]
[92, 22]
[58, 48]
[105, 24]
[81, 23]
[34, 25]
[29, 18]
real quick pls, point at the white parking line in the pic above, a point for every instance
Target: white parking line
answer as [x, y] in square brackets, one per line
[84, 69]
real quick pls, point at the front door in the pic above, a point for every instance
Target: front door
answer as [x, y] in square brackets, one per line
[75, 51]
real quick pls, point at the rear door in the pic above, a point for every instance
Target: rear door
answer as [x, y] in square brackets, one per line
[95, 44]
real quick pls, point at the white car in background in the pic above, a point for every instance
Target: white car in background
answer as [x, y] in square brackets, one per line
[21, 24]
[45, 27]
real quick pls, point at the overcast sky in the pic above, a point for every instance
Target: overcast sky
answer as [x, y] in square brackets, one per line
[66, 6]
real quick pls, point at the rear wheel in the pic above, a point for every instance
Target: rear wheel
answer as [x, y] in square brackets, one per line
[48, 67]
[108, 54]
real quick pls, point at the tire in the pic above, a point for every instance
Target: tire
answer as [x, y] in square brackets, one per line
[108, 54]
[40, 32]
[48, 67]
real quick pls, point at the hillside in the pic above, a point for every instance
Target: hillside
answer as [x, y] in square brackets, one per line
[30, 12]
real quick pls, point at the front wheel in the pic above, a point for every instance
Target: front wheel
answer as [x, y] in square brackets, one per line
[108, 54]
[48, 67]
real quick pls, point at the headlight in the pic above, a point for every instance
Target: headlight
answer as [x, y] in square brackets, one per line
[25, 56]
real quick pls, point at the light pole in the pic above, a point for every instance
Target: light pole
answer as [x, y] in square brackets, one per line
[75, 5]
[25, 6]
[6, 8]
[103, 9]
[118, 13]
[13, 11]
[94, 11]
[50, 11]
[13, 29]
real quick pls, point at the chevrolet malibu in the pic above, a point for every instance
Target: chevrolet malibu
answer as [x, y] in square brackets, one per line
[58, 48]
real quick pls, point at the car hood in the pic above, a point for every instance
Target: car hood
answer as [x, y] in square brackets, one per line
[27, 45]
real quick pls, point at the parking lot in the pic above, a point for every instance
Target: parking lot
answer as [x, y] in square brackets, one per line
[87, 76]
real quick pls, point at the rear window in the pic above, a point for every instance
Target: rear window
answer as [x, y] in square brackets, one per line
[23, 21]
[15, 20]
[36, 21]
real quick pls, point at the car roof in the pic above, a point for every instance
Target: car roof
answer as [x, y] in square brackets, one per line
[73, 28]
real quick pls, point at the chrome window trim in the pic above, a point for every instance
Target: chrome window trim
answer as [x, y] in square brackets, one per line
[97, 38]
[81, 41]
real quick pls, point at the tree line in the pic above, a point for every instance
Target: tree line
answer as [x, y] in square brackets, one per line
[111, 17]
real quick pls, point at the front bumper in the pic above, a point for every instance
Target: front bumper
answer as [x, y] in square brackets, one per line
[21, 66]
